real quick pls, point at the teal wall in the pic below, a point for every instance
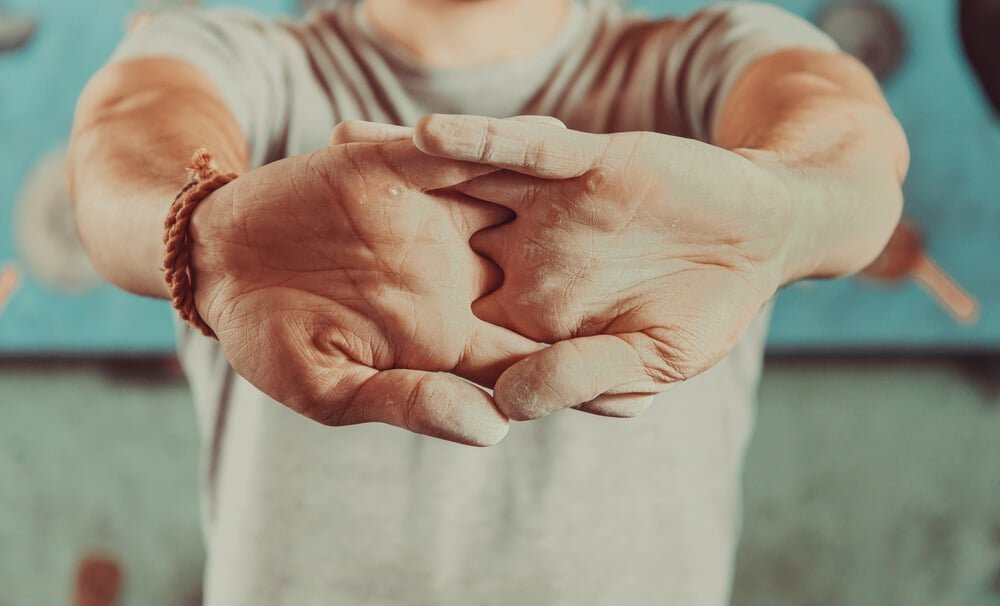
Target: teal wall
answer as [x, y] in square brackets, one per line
[868, 483]
[952, 194]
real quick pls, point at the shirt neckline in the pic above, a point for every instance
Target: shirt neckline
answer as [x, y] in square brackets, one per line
[410, 66]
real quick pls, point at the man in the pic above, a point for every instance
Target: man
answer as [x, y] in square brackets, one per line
[696, 166]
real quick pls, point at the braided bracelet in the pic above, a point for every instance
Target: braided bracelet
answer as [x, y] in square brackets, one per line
[203, 179]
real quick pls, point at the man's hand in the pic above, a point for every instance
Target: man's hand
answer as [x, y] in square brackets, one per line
[641, 256]
[340, 282]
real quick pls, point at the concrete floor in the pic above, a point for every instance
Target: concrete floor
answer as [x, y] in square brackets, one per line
[95, 460]
[873, 483]
[869, 482]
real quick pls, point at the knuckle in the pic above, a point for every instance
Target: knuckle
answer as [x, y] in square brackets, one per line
[347, 131]
[596, 204]
[486, 149]
[434, 139]
[432, 134]
[415, 412]
[676, 355]
[671, 369]
[534, 155]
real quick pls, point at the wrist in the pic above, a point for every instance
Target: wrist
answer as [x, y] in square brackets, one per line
[208, 231]
[837, 219]
[181, 251]
[795, 252]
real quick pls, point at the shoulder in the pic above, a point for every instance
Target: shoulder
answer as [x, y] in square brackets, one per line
[723, 21]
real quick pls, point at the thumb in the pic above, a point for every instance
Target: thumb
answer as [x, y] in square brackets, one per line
[574, 372]
[436, 404]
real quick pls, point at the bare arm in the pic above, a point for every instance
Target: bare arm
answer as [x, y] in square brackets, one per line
[285, 300]
[820, 118]
[137, 125]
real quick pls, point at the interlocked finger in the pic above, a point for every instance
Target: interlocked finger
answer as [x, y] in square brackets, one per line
[524, 146]
[358, 131]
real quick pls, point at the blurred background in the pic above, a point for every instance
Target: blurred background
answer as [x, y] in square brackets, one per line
[874, 474]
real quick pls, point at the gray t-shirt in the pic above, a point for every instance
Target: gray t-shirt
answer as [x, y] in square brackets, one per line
[571, 509]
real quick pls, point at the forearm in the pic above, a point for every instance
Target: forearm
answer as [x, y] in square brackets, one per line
[137, 125]
[819, 119]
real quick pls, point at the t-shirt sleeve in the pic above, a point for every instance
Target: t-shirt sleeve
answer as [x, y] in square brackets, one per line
[250, 59]
[715, 46]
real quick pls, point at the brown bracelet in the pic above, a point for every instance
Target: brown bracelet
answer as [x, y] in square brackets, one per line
[203, 179]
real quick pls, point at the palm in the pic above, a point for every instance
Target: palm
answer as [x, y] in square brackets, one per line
[341, 286]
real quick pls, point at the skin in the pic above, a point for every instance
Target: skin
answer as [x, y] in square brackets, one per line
[462, 33]
[314, 271]
[356, 306]
[644, 257]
